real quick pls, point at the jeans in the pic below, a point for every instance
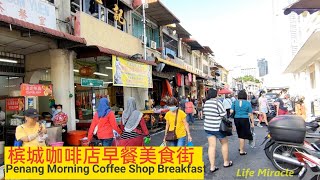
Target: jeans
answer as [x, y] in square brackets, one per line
[179, 142]
[190, 118]
[106, 142]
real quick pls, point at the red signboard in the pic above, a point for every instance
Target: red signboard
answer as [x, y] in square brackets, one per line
[36, 90]
[15, 104]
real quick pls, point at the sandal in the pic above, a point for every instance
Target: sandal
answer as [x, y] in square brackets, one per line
[230, 164]
[243, 154]
[214, 170]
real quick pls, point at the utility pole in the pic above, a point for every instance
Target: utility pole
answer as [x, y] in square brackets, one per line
[144, 29]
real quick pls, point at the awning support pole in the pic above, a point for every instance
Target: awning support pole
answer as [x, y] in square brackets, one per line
[144, 30]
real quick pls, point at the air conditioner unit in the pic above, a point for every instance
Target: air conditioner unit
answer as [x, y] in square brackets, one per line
[153, 45]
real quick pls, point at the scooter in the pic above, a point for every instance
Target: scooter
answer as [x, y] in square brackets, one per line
[311, 166]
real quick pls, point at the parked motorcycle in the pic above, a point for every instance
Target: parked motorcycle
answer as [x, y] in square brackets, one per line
[311, 166]
[287, 136]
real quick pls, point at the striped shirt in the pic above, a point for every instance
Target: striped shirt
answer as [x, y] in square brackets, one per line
[213, 111]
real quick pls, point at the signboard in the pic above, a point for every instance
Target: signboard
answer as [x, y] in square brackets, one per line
[15, 104]
[36, 90]
[33, 11]
[91, 82]
[130, 74]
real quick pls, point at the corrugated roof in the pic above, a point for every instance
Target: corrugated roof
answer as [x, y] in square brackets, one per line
[40, 29]
[159, 13]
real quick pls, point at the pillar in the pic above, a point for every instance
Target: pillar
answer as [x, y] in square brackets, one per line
[62, 79]
[317, 75]
[307, 92]
[140, 94]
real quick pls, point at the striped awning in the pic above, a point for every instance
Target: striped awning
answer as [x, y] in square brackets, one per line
[301, 6]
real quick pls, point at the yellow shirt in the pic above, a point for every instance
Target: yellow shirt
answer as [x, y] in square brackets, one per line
[180, 129]
[26, 131]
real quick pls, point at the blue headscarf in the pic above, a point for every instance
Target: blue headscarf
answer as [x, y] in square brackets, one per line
[103, 108]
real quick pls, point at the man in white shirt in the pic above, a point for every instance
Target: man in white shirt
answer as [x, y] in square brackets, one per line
[227, 103]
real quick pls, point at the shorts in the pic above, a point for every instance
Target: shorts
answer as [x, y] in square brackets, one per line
[264, 110]
[217, 134]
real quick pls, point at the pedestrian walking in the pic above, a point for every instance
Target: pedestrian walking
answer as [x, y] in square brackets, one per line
[182, 103]
[243, 119]
[176, 122]
[280, 106]
[103, 124]
[213, 111]
[300, 108]
[133, 126]
[200, 108]
[227, 102]
[189, 111]
[263, 108]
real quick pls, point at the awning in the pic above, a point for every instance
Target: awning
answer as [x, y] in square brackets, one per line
[195, 45]
[160, 14]
[182, 33]
[36, 29]
[306, 53]
[301, 6]
[170, 63]
[92, 51]
[206, 50]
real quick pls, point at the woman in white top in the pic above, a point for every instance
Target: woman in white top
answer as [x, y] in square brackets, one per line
[263, 108]
[227, 102]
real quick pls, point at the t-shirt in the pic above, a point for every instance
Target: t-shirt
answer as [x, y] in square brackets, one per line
[23, 131]
[227, 103]
[281, 104]
[60, 119]
[213, 110]
[263, 103]
[243, 110]
[180, 129]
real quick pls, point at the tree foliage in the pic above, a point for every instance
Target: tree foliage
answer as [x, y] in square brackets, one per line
[248, 78]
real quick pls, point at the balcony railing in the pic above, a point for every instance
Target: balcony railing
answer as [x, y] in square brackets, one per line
[104, 14]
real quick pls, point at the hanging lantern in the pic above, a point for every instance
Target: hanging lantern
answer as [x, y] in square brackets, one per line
[86, 71]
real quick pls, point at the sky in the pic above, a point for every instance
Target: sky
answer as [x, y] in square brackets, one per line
[238, 31]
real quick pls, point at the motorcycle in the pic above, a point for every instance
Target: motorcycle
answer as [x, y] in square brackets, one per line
[311, 166]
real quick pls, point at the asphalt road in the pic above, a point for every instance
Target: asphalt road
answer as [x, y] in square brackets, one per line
[255, 160]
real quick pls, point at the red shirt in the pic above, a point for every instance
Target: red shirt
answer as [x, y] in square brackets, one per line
[60, 119]
[106, 125]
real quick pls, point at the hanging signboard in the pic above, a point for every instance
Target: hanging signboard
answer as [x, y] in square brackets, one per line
[36, 12]
[36, 90]
[131, 74]
[15, 104]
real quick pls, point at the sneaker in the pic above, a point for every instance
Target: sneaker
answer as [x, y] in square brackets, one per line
[259, 125]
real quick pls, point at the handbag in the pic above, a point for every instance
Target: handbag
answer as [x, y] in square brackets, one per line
[225, 125]
[171, 135]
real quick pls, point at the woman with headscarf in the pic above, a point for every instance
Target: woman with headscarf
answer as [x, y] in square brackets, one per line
[103, 124]
[133, 126]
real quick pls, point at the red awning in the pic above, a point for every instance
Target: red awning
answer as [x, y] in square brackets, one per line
[225, 91]
[301, 6]
[93, 51]
[40, 29]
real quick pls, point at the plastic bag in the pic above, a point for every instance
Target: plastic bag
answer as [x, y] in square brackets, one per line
[163, 144]
[190, 144]
[252, 142]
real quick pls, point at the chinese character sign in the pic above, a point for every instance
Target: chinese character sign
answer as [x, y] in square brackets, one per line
[15, 104]
[36, 90]
[131, 74]
[104, 163]
[33, 11]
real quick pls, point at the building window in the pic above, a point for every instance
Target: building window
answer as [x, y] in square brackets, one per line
[205, 69]
[171, 46]
[153, 34]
